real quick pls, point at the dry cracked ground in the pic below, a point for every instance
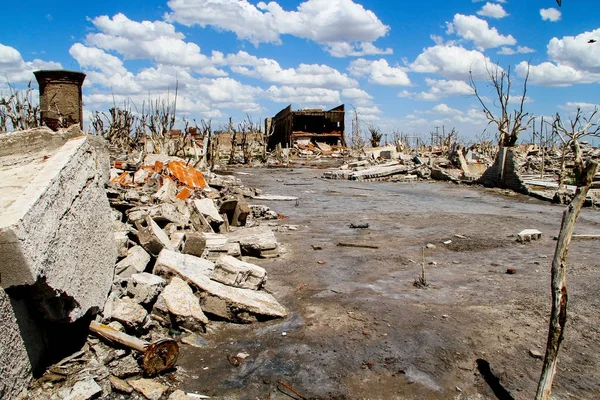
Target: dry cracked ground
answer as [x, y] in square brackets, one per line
[359, 329]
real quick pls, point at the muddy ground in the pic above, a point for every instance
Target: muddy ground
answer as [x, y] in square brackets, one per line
[359, 329]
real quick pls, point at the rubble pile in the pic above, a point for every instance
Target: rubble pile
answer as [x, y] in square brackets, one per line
[186, 241]
[387, 164]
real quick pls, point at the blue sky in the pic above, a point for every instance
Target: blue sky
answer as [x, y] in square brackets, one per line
[403, 65]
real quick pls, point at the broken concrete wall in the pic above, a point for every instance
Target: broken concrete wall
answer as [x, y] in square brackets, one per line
[21, 344]
[56, 242]
[504, 172]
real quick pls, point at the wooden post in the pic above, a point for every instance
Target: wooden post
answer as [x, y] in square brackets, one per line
[558, 317]
[158, 356]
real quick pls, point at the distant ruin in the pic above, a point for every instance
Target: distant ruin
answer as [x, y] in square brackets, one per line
[305, 126]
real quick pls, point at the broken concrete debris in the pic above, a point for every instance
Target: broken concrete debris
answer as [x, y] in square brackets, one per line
[172, 241]
[527, 235]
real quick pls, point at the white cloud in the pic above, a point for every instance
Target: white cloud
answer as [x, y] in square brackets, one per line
[323, 21]
[525, 50]
[307, 75]
[345, 49]
[443, 108]
[573, 60]
[575, 51]
[520, 50]
[439, 88]
[14, 69]
[303, 96]
[358, 96]
[452, 62]
[507, 51]
[477, 30]
[157, 41]
[493, 11]
[549, 74]
[379, 72]
[586, 108]
[550, 14]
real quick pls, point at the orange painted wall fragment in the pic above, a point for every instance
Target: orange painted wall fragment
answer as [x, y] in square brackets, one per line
[189, 176]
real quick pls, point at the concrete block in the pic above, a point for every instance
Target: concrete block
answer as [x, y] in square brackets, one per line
[129, 313]
[170, 260]
[237, 211]
[258, 241]
[167, 212]
[145, 287]
[206, 212]
[233, 272]
[136, 261]
[183, 307]
[194, 244]
[167, 192]
[152, 237]
[528, 235]
[55, 222]
[235, 304]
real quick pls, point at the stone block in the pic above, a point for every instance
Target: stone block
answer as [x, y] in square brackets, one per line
[237, 211]
[207, 210]
[258, 241]
[136, 261]
[231, 303]
[233, 272]
[145, 287]
[55, 222]
[528, 235]
[183, 307]
[194, 244]
[151, 236]
[129, 313]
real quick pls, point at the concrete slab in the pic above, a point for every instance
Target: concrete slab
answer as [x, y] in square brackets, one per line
[258, 241]
[55, 221]
[235, 304]
[233, 272]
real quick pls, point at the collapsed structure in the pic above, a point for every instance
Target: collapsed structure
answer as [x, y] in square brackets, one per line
[306, 126]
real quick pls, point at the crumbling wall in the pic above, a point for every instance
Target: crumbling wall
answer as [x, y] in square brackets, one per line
[17, 358]
[57, 249]
[504, 172]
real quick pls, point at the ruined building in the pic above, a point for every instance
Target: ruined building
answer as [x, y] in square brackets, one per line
[305, 126]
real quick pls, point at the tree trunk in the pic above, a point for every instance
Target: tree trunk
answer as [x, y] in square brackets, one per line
[558, 317]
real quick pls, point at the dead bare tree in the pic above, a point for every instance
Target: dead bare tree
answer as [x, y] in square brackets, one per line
[375, 135]
[509, 124]
[584, 172]
[357, 141]
[19, 109]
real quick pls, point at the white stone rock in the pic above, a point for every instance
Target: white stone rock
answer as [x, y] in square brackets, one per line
[233, 272]
[171, 260]
[151, 389]
[152, 237]
[183, 306]
[207, 208]
[167, 192]
[145, 287]
[258, 241]
[216, 298]
[129, 313]
[528, 235]
[136, 261]
[84, 390]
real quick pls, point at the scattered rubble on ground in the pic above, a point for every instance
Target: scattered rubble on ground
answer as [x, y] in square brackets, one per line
[186, 241]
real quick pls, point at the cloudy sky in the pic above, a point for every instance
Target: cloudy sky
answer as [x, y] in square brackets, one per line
[402, 64]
